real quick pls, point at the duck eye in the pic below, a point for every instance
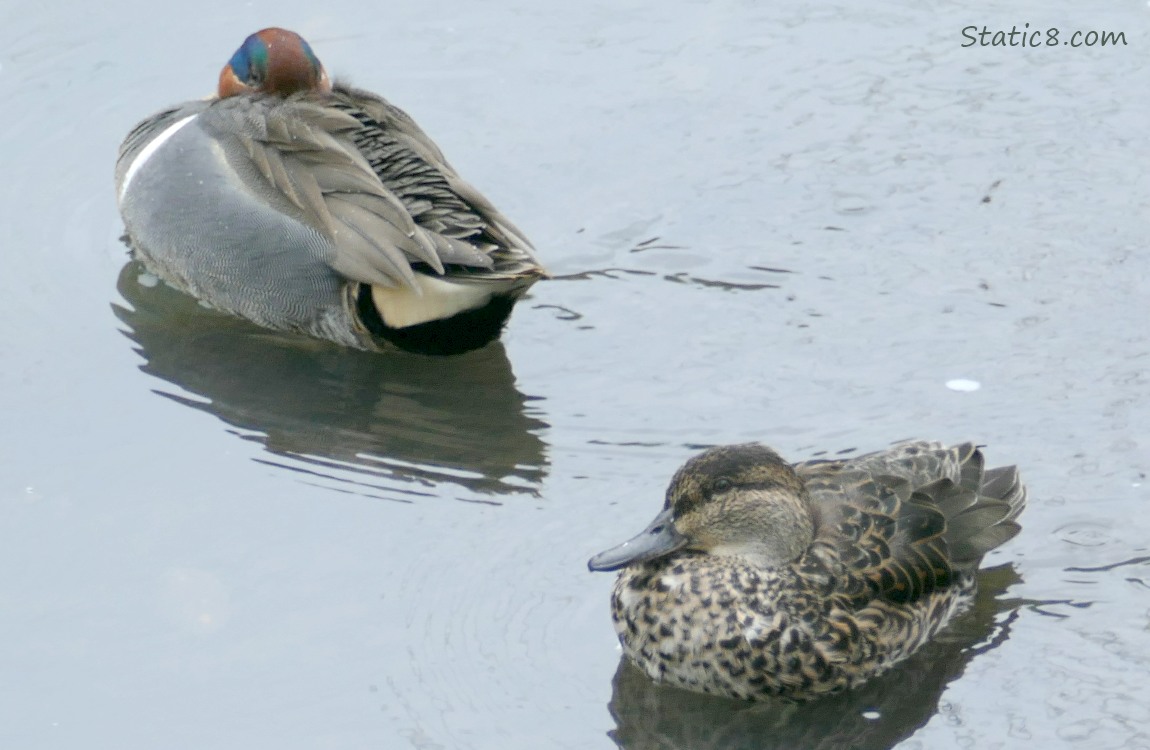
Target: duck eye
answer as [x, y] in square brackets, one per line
[722, 484]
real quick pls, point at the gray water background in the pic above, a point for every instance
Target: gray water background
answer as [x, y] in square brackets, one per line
[786, 222]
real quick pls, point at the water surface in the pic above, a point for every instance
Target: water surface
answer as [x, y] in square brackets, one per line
[792, 223]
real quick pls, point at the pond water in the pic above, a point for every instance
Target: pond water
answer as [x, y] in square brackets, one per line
[786, 222]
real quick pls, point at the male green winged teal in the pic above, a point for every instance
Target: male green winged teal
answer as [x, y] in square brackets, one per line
[308, 206]
[762, 578]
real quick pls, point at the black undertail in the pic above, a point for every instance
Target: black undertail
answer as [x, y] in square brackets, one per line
[460, 333]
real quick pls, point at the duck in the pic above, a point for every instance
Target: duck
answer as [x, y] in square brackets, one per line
[310, 206]
[761, 579]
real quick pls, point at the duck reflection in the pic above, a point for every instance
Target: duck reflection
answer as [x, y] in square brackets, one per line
[881, 713]
[391, 423]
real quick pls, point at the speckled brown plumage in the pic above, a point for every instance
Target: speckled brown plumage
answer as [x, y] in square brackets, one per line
[765, 579]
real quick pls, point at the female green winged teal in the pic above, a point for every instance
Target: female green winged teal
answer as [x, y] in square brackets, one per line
[761, 578]
[308, 206]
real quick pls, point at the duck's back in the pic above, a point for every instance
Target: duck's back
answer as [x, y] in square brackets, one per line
[335, 216]
[413, 168]
[201, 219]
[913, 520]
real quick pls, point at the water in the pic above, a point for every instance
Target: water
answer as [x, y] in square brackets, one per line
[792, 224]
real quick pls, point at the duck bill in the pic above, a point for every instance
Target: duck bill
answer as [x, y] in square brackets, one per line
[658, 539]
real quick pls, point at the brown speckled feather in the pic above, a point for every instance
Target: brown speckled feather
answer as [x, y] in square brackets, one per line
[893, 518]
[766, 579]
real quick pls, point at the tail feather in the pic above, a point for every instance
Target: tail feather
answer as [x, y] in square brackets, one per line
[971, 466]
[979, 529]
[981, 510]
[973, 548]
[1004, 483]
[950, 498]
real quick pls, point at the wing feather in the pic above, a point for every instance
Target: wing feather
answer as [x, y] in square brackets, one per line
[304, 154]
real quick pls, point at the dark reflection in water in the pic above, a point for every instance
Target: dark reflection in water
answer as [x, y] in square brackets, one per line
[880, 714]
[390, 424]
